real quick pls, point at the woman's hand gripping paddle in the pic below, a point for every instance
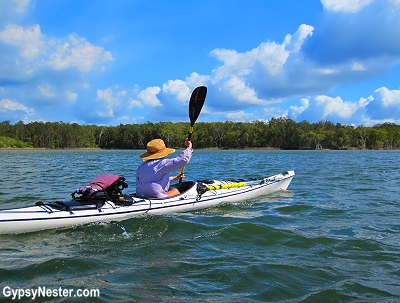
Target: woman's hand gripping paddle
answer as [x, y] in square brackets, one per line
[195, 105]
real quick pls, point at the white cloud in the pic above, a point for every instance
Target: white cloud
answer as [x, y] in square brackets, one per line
[183, 89]
[78, 53]
[234, 64]
[339, 107]
[327, 71]
[136, 88]
[195, 80]
[389, 97]
[109, 114]
[363, 102]
[357, 66]
[29, 40]
[21, 5]
[270, 54]
[239, 90]
[71, 96]
[46, 92]
[134, 103]
[178, 88]
[395, 2]
[7, 104]
[294, 43]
[206, 110]
[297, 110]
[112, 101]
[239, 116]
[107, 95]
[149, 96]
[366, 121]
[275, 112]
[75, 53]
[347, 6]
[243, 93]
[270, 110]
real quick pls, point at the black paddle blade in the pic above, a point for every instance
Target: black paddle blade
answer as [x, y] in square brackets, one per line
[196, 103]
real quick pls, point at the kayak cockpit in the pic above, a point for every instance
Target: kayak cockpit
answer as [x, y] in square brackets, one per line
[183, 187]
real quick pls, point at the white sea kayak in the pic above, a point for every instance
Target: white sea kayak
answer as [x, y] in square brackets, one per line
[194, 195]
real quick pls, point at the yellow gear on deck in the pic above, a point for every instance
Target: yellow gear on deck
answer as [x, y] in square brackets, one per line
[225, 186]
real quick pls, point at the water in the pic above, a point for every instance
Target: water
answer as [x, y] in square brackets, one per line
[334, 236]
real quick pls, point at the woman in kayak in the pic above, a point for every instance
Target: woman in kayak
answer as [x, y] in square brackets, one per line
[152, 176]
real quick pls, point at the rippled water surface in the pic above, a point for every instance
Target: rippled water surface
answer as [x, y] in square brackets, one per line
[334, 236]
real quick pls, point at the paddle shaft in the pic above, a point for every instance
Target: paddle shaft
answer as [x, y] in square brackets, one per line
[195, 105]
[190, 133]
[189, 137]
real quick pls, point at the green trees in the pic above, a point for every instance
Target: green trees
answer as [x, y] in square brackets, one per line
[13, 143]
[280, 133]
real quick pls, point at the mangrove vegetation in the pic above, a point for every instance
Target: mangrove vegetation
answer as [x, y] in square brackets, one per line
[279, 133]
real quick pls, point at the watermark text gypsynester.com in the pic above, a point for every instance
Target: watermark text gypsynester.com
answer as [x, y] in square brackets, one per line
[44, 292]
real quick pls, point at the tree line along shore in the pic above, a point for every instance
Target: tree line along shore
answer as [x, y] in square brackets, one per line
[278, 133]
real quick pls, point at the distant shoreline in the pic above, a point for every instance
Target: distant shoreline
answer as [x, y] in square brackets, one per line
[42, 148]
[208, 148]
[97, 148]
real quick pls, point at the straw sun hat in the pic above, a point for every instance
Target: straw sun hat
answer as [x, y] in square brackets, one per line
[156, 149]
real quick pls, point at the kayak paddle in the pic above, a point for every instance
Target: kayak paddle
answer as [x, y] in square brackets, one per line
[195, 105]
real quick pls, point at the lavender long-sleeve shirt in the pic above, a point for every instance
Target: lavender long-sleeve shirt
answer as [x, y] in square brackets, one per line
[152, 177]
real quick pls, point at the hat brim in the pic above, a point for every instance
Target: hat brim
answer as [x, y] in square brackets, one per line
[146, 156]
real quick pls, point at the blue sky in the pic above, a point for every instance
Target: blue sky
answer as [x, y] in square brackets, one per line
[110, 62]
